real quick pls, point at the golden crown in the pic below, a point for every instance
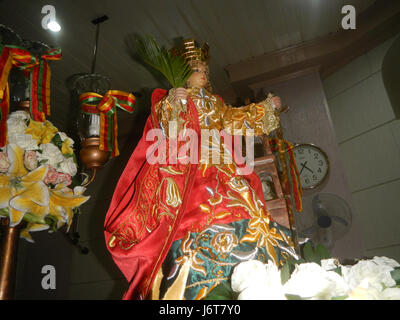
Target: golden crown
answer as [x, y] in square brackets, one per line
[191, 52]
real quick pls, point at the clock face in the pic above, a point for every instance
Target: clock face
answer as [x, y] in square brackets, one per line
[312, 164]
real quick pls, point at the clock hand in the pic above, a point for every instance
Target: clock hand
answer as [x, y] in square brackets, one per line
[302, 166]
[308, 169]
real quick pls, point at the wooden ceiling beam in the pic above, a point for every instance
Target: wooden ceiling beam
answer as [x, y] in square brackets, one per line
[327, 54]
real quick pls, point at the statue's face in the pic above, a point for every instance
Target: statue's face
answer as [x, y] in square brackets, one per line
[199, 77]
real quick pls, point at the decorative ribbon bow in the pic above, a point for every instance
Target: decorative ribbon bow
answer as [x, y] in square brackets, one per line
[296, 185]
[39, 73]
[106, 106]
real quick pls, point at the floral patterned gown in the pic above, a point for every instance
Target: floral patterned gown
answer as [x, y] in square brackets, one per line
[226, 220]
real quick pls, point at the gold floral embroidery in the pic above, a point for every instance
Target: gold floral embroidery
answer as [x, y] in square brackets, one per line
[192, 255]
[205, 208]
[133, 227]
[216, 280]
[259, 229]
[214, 114]
[215, 200]
[111, 241]
[224, 242]
[173, 196]
[222, 214]
[171, 170]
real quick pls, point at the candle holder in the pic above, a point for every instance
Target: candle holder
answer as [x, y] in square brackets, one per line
[19, 82]
[89, 124]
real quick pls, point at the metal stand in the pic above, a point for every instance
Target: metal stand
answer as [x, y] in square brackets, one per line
[8, 258]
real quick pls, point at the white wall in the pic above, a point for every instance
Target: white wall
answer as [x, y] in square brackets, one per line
[369, 140]
[308, 121]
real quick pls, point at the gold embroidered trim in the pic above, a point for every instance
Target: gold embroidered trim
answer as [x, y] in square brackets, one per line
[206, 281]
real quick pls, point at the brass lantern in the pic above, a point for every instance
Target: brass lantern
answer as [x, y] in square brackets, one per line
[89, 124]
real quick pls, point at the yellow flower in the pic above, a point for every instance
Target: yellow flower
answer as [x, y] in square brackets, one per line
[41, 131]
[22, 191]
[62, 202]
[66, 147]
[30, 228]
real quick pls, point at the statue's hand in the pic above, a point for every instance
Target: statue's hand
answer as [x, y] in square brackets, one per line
[178, 95]
[276, 102]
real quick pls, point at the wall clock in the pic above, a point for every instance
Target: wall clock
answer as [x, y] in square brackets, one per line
[312, 164]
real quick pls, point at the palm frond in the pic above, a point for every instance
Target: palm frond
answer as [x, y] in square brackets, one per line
[175, 69]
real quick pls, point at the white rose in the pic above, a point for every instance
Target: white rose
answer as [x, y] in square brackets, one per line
[64, 137]
[51, 153]
[365, 292]
[273, 279]
[268, 287]
[310, 280]
[368, 270]
[15, 125]
[24, 141]
[16, 122]
[391, 294]
[247, 274]
[68, 166]
[384, 261]
[21, 115]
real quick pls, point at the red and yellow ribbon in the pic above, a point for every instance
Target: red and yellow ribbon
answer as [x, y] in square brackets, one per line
[106, 106]
[294, 173]
[39, 73]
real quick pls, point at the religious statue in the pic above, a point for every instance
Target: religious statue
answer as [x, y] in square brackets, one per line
[176, 228]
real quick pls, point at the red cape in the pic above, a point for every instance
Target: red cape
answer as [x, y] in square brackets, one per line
[137, 238]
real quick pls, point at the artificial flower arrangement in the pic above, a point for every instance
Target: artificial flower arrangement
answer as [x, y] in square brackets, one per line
[38, 176]
[314, 277]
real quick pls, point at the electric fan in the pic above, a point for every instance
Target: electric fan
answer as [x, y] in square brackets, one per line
[332, 219]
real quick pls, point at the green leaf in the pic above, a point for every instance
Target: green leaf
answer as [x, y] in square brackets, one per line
[321, 252]
[396, 275]
[222, 292]
[294, 297]
[74, 157]
[76, 181]
[339, 298]
[51, 221]
[174, 68]
[285, 272]
[31, 218]
[308, 253]
[56, 140]
[4, 212]
[43, 161]
[338, 270]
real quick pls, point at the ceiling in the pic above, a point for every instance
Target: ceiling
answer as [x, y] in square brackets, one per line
[236, 31]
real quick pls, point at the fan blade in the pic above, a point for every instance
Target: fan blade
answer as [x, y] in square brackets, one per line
[340, 220]
[325, 237]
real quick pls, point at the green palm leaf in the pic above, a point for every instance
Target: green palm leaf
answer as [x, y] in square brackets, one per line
[175, 69]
